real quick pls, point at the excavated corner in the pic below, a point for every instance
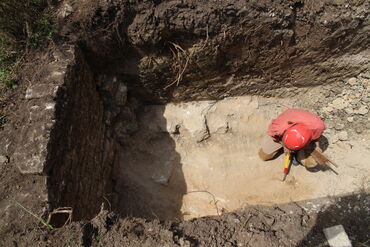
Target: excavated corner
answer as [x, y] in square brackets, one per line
[63, 135]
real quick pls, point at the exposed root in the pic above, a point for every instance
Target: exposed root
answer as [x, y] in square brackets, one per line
[63, 210]
[242, 227]
[180, 55]
[213, 197]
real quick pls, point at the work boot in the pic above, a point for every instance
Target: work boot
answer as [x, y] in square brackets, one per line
[295, 161]
[310, 162]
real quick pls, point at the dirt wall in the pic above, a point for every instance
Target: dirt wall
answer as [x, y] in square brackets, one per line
[58, 141]
[78, 168]
[195, 50]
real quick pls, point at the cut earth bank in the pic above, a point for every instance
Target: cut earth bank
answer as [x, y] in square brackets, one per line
[89, 128]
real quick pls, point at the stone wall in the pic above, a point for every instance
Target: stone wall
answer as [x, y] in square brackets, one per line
[78, 170]
[61, 135]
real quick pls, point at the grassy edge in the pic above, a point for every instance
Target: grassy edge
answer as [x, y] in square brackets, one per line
[38, 218]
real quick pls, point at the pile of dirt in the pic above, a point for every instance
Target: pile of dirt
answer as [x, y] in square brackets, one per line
[281, 225]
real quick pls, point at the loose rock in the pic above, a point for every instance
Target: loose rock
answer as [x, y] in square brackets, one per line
[339, 126]
[327, 109]
[343, 136]
[362, 110]
[65, 11]
[3, 160]
[340, 104]
[358, 130]
[349, 110]
[352, 81]
[350, 119]
[335, 139]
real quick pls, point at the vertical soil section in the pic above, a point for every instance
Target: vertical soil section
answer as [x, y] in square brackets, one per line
[78, 171]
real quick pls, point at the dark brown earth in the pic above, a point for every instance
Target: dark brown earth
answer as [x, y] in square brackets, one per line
[167, 51]
[281, 225]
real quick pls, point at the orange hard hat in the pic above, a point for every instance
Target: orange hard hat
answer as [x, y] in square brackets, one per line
[297, 137]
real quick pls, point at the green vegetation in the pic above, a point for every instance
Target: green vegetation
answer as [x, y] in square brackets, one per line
[38, 218]
[24, 25]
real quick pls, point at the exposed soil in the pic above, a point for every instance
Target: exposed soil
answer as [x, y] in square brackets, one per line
[282, 225]
[112, 58]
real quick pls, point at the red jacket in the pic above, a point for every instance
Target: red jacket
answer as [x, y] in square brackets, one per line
[288, 117]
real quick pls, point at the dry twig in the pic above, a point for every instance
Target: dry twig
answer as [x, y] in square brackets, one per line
[63, 210]
[213, 197]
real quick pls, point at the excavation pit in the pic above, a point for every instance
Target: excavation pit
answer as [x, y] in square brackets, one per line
[194, 159]
[158, 112]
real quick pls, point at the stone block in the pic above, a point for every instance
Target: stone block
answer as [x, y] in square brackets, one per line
[337, 236]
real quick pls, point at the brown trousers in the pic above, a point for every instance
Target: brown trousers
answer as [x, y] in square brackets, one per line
[270, 150]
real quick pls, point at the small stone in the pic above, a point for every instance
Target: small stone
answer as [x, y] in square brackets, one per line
[327, 109]
[3, 160]
[366, 100]
[352, 81]
[66, 10]
[335, 139]
[121, 95]
[362, 110]
[352, 97]
[349, 110]
[339, 126]
[350, 119]
[340, 103]
[337, 236]
[358, 130]
[343, 136]
[356, 208]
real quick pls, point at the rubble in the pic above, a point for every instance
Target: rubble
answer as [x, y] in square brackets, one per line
[3, 160]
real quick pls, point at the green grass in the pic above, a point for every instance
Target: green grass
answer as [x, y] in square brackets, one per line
[44, 31]
[24, 25]
[8, 62]
[38, 218]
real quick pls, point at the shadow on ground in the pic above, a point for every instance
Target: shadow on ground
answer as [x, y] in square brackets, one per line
[352, 211]
[149, 176]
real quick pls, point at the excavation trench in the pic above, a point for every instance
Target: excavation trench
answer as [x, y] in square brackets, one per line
[158, 110]
[192, 159]
[177, 160]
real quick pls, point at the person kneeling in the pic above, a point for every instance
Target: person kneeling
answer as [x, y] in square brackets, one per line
[294, 131]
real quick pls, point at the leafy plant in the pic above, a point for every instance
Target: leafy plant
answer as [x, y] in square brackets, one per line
[43, 31]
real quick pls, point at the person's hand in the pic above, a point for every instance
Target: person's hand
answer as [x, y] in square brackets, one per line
[286, 151]
[317, 147]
